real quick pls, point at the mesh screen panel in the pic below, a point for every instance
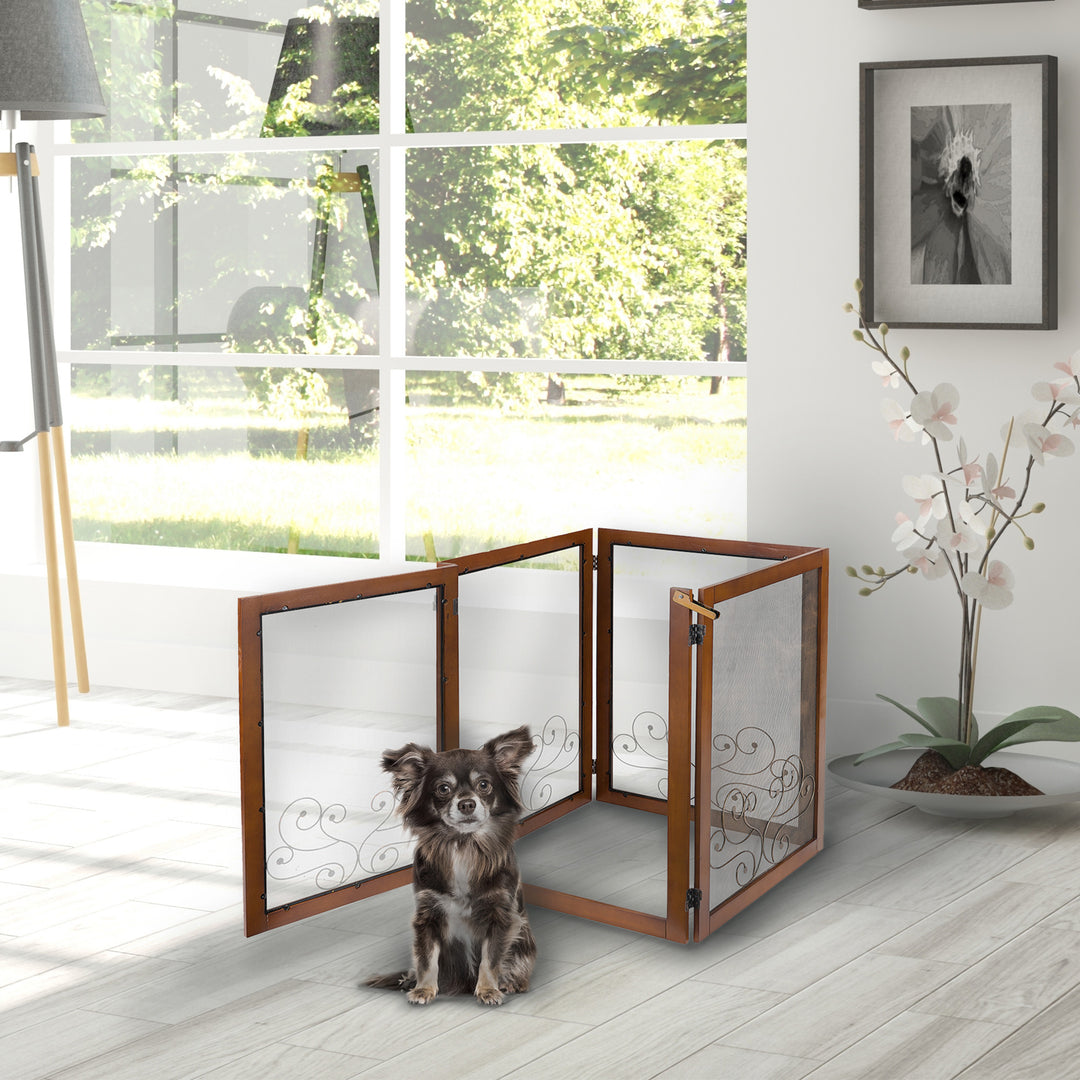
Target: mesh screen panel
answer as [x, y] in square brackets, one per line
[520, 663]
[762, 782]
[341, 683]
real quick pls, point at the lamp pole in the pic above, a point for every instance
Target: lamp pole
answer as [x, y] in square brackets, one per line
[46, 73]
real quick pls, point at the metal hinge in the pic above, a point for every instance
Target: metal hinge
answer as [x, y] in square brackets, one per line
[697, 633]
[595, 563]
[594, 766]
[693, 899]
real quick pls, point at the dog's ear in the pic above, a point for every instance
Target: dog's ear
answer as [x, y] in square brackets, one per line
[510, 750]
[407, 767]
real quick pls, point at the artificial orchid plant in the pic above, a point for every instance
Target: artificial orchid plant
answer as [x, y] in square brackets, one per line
[961, 514]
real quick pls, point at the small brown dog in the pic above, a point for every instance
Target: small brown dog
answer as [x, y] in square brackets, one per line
[471, 932]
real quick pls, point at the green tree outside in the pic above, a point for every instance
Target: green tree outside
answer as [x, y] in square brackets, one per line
[624, 249]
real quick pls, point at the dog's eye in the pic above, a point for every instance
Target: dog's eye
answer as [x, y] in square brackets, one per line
[483, 785]
[442, 789]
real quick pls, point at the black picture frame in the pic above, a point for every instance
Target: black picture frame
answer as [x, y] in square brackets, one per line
[958, 192]
[874, 5]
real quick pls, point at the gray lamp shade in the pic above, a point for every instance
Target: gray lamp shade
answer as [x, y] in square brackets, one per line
[46, 67]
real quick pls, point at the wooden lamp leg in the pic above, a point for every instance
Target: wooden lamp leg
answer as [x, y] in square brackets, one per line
[47, 417]
[52, 567]
[67, 531]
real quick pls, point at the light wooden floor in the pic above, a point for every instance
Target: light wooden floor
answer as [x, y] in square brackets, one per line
[911, 948]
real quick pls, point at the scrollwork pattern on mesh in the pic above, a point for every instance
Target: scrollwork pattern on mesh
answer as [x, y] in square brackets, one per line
[644, 748]
[312, 847]
[758, 802]
[557, 747]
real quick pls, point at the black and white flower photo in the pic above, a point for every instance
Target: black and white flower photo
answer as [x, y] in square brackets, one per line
[961, 194]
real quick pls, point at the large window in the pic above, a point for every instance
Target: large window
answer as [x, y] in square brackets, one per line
[408, 279]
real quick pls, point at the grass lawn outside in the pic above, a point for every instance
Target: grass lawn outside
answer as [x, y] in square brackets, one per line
[214, 471]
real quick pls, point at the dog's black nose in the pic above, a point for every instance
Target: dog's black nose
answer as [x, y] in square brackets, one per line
[466, 806]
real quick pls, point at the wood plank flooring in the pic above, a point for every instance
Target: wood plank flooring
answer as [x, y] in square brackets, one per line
[910, 949]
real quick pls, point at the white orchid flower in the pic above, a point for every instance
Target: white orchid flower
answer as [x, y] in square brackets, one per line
[964, 539]
[1018, 423]
[930, 561]
[898, 420]
[991, 489]
[972, 469]
[1064, 390]
[1071, 367]
[1041, 442]
[968, 513]
[994, 589]
[933, 410]
[928, 492]
[890, 377]
[904, 535]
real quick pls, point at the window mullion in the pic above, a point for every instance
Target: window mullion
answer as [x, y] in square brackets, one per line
[393, 487]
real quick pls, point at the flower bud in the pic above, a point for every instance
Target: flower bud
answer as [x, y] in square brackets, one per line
[912, 569]
[849, 306]
[991, 533]
[1038, 508]
[851, 571]
[1029, 543]
[857, 335]
[880, 571]
[883, 329]
[867, 569]
[865, 592]
[858, 285]
[905, 352]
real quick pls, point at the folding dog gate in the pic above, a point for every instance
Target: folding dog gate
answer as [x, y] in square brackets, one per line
[696, 789]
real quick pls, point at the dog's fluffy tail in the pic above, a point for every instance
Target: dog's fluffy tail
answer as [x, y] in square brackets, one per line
[398, 980]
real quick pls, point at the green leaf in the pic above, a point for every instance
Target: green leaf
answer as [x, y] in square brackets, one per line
[1037, 718]
[955, 752]
[942, 714]
[1062, 726]
[932, 723]
[884, 749]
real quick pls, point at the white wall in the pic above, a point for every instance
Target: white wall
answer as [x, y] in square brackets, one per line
[822, 466]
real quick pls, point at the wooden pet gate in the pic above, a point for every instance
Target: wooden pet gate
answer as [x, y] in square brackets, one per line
[693, 786]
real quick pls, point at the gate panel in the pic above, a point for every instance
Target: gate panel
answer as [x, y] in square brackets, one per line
[636, 571]
[613, 863]
[525, 637]
[761, 666]
[330, 678]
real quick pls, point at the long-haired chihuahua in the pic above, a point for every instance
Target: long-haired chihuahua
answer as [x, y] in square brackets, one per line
[471, 932]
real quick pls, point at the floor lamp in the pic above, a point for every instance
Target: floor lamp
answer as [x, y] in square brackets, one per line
[46, 73]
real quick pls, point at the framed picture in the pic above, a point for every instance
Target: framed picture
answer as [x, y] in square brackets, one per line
[872, 4]
[958, 192]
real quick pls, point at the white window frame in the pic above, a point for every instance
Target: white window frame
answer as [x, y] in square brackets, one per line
[392, 362]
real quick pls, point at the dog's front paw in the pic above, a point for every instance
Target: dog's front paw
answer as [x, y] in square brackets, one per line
[489, 995]
[421, 995]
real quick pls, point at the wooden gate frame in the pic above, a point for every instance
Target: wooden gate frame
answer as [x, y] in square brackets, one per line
[813, 568]
[251, 609]
[689, 672]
